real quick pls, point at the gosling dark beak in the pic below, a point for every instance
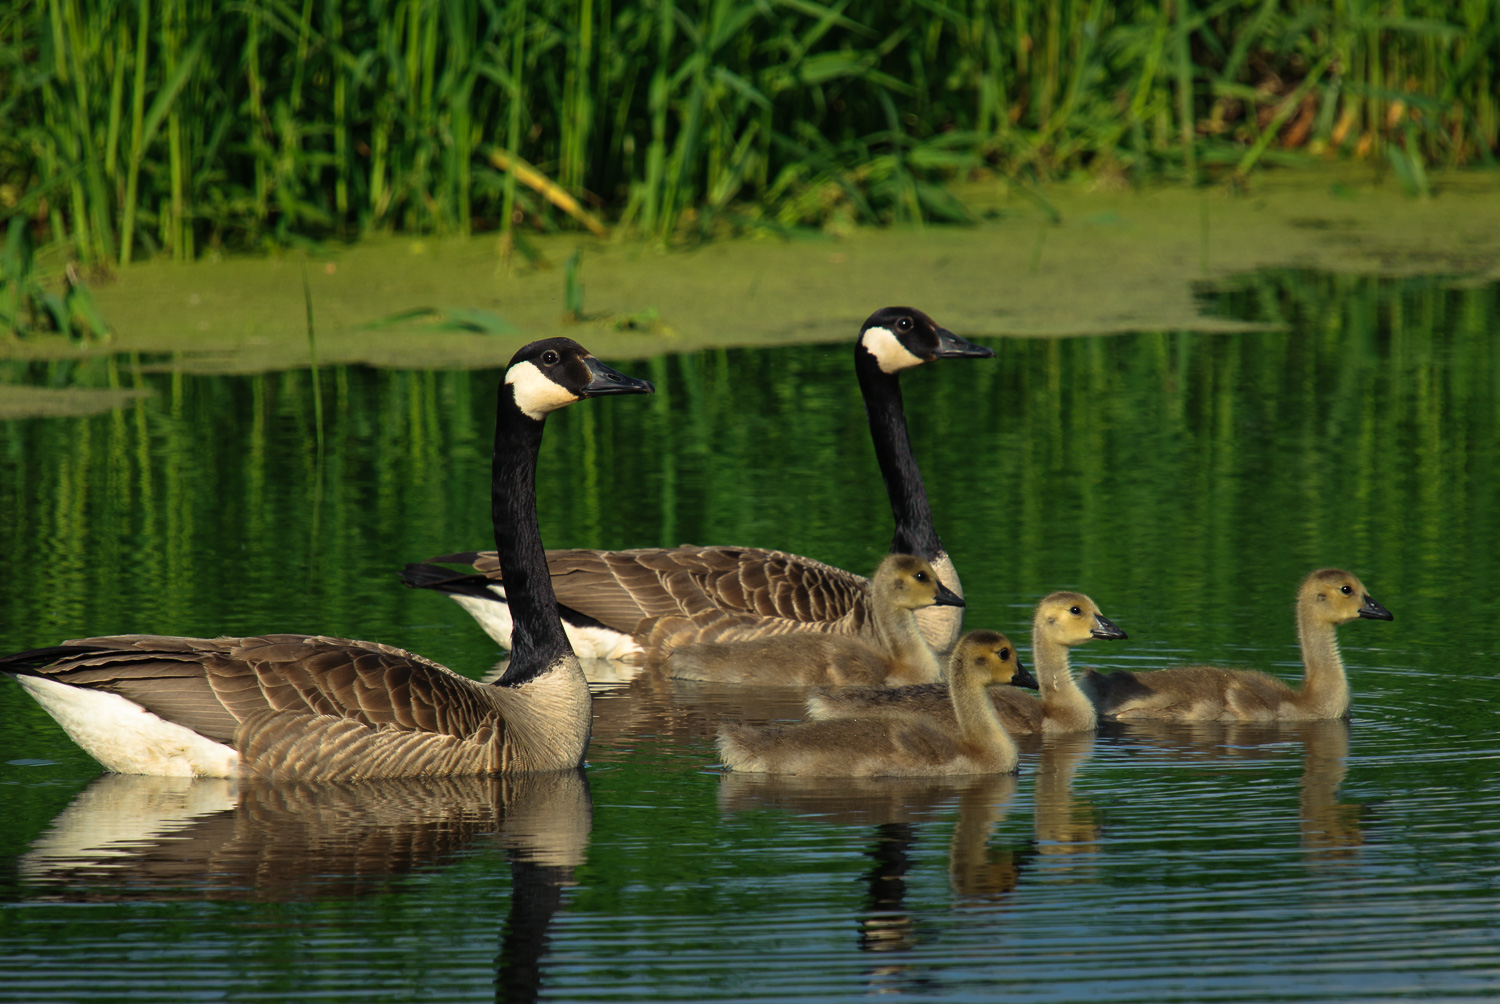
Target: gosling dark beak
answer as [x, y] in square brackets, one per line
[951, 346]
[947, 597]
[605, 380]
[1374, 611]
[1023, 677]
[1105, 628]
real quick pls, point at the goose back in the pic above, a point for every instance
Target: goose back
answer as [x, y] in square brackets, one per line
[894, 651]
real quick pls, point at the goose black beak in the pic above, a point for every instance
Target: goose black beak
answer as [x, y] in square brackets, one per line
[947, 597]
[951, 346]
[1105, 628]
[606, 380]
[1023, 677]
[1374, 611]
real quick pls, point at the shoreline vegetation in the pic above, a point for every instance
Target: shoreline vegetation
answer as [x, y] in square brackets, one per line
[1117, 260]
[145, 128]
[397, 180]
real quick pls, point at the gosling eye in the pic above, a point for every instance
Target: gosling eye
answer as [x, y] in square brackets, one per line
[1004, 654]
[550, 357]
[1346, 590]
[920, 576]
[1076, 612]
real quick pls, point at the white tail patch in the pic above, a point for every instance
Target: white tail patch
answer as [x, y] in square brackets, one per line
[587, 642]
[890, 355]
[492, 615]
[536, 393]
[128, 739]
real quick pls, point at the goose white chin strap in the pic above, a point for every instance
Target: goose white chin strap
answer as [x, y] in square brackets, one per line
[890, 355]
[536, 395]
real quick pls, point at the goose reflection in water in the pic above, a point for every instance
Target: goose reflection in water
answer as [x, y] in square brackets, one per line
[131, 837]
[1330, 830]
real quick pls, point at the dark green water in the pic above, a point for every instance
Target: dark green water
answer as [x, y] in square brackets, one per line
[1185, 482]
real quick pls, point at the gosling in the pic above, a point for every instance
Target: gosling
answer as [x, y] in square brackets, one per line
[902, 585]
[1061, 621]
[893, 747]
[1327, 598]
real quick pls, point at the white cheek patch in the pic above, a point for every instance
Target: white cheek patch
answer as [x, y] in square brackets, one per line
[890, 355]
[536, 393]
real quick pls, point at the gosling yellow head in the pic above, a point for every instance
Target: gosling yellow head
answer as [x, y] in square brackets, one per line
[910, 583]
[1072, 619]
[1335, 596]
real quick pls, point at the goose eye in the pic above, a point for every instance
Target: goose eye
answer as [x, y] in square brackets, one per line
[1075, 611]
[920, 576]
[550, 357]
[904, 324]
[1004, 654]
[1346, 590]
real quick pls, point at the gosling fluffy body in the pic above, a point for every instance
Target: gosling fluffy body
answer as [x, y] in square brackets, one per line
[893, 747]
[1326, 599]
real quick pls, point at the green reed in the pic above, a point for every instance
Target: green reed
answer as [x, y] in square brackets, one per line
[174, 126]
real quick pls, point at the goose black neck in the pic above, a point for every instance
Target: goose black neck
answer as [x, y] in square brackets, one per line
[915, 533]
[537, 639]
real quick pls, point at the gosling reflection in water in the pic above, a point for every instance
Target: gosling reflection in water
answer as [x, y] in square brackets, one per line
[1066, 826]
[977, 871]
[895, 810]
[162, 838]
[1330, 830]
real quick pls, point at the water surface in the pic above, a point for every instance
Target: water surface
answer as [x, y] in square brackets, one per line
[1186, 482]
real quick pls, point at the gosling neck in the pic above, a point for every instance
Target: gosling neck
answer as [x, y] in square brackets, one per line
[900, 638]
[978, 724]
[1325, 687]
[537, 639]
[1065, 707]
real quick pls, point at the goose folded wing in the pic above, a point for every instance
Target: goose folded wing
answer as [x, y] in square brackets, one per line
[774, 584]
[213, 685]
[621, 589]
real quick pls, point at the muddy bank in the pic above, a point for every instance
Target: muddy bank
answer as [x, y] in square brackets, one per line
[1116, 260]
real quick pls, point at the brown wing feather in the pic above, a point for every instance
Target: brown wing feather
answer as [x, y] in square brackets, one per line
[307, 747]
[302, 706]
[622, 589]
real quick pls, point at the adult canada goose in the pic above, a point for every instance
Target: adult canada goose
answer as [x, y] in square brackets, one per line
[907, 746]
[1062, 620]
[903, 585]
[607, 596]
[1327, 598]
[310, 707]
